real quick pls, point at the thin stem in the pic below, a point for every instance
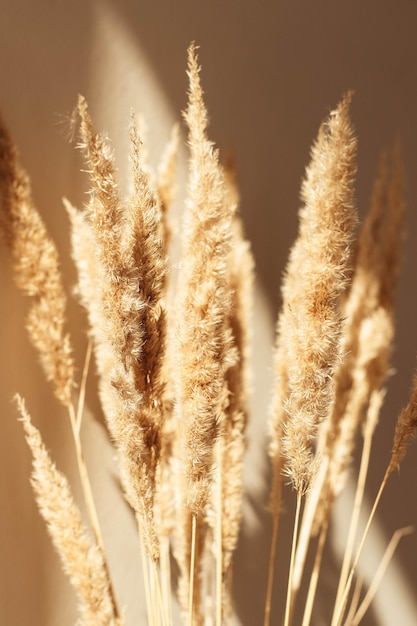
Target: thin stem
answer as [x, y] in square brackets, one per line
[219, 563]
[370, 594]
[360, 490]
[289, 602]
[145, 573]
[83, 385]
[309, 513]
[166, 577]
[209, 597]
[154, 595]
[192, 565]
[160, 601]
[315, 574]
[355, 600]
[276, 496]
[339, 610]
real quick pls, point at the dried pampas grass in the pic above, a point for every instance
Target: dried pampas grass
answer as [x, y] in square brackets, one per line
[174, 376]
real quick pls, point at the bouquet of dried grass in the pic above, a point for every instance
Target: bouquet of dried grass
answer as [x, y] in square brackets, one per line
[173, 374]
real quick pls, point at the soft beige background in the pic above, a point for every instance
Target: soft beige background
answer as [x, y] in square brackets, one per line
[271, 71]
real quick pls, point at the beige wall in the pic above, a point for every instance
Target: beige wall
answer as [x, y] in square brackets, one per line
[271, 71]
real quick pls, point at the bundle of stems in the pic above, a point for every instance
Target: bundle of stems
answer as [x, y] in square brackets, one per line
[173, 374]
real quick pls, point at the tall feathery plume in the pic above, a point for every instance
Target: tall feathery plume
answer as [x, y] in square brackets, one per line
[367, 342]
[311, 320]
[148, 241]
[129, 249]
[376, 269]
[82, 560]
[238, 384]
[308, 348]
[166, 189]
[241, 279]
[233, 440]
[204, 342]
[310, 324]
[37, 271]
[204, 339]
[225, 513]
[361, 301]
[369, 327]
[371, 302]
[166, 505]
